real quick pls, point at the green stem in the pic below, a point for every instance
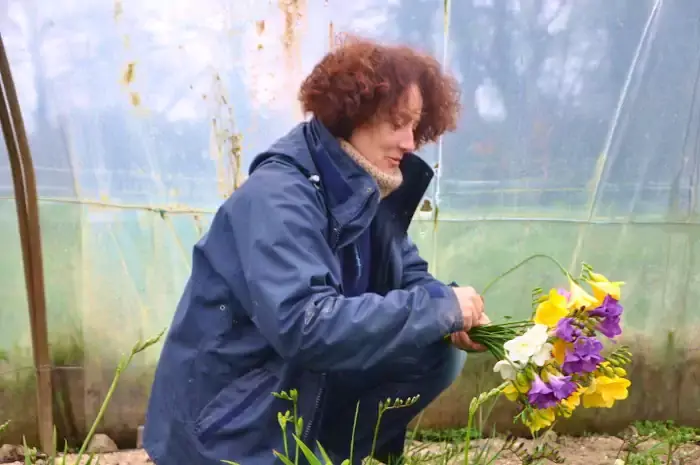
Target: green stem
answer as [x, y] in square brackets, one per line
[298, 433]
[354, 426]
[284, 438]
[376, 434]
[531, 257]
[123, 364]
[468, 438]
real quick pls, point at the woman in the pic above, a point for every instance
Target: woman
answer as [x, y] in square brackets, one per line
[307, 279]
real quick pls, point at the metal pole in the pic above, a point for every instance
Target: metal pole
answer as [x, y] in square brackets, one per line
[30, 234]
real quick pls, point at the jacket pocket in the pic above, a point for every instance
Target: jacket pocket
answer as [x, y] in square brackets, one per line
[226, 411]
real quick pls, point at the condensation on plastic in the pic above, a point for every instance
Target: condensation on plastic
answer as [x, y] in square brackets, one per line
[578, 138]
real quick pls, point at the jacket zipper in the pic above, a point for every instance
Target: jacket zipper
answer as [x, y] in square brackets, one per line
[335, 238]
[317, 406]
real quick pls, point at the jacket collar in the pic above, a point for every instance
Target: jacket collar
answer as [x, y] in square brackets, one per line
[352, 195]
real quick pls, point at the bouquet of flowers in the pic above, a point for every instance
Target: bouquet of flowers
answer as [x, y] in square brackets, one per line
[553, 362]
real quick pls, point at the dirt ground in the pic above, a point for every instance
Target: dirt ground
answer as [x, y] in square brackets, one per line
[600, 450]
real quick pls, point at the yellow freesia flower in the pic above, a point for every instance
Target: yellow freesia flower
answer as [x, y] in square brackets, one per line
[551, 310]
[601, 287]
[580, 298]
[559, 350]
[573, 401]
[604, 391]
[514, 389]
[510, 392]
[538, 419]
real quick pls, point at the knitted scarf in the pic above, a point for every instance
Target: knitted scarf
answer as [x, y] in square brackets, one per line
[387, 182]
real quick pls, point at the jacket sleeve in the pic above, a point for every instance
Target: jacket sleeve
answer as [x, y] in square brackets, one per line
[269, 245]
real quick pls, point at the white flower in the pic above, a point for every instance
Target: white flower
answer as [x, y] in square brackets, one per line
[507, 369]
[543, 355]
[521, 348]
[538, 334]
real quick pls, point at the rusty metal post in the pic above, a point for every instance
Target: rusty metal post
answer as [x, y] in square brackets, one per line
[30, 234]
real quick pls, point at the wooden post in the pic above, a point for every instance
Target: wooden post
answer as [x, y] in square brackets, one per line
[30, 234]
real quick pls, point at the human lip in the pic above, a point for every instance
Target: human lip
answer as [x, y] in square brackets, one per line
[394, 162]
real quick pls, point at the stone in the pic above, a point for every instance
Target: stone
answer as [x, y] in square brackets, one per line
[10, 453]
[139, 437]
[101, 444]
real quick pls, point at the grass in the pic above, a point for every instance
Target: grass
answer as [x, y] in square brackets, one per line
[455, 446]
[33, 456]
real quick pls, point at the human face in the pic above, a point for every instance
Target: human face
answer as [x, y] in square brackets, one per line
[384, 143]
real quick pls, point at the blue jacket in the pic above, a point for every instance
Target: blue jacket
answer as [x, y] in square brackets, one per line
[266, 310]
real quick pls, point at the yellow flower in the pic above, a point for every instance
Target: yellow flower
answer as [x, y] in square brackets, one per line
[580, 298]
[538, 419]
[551, 310]
[604, 391]
[510, 392]
[559, 350]
[514, 389]
[573, 401]
[601, 287]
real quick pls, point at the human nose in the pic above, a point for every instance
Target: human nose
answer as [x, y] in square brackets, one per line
[407, 140]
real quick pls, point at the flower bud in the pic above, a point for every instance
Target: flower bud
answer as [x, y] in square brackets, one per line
[521, 378]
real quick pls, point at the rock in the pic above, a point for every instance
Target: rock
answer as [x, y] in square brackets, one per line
[101, 444]
[10, 453]
[139, 437]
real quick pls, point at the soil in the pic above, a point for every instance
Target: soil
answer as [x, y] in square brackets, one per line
[597, 450]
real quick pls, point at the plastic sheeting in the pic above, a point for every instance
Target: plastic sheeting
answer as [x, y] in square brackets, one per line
[578, 139]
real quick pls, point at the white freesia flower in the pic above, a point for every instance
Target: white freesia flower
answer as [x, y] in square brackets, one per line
[521, 348]
[507, 369]
[541, 357]
[538, 334]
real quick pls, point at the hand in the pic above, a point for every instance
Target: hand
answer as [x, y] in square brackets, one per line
[471, 304]
[462, 341]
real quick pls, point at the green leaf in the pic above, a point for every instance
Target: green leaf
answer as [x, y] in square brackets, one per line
[310, 456]
[283, 458]
[324, 454]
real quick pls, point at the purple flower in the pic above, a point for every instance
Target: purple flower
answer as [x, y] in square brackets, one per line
[562, 386]
[610, 327]
[585, 357]
[566, 330]
[610, 311]
[610, 308]
[540, 395]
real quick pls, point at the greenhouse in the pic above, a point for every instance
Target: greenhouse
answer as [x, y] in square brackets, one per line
[578, 139]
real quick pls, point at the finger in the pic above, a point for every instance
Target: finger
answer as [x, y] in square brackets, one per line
[470, 320]
[467, 343]
[478, 304]
[484, 320]
[461, 340]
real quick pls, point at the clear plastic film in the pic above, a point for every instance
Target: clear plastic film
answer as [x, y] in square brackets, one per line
[578, 139]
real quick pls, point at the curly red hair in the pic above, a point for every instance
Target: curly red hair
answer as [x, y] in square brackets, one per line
[361, 81]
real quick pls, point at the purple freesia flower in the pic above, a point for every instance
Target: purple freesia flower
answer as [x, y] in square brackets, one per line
[566, 330]
[585, 356]
[562, 386]
[610, 327]
[540, 395]
[610, 311]
[610, 308]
